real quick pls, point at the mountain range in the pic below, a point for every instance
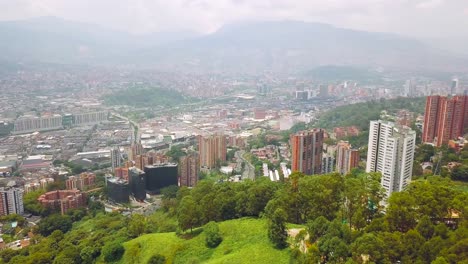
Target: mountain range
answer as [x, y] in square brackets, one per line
[250, 47]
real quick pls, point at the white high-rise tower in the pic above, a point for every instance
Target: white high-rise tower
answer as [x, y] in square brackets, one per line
[391, 152]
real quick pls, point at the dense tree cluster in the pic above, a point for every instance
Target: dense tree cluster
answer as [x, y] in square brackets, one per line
[342, 218]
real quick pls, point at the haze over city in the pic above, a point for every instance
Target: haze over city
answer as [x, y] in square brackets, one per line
[233, 131]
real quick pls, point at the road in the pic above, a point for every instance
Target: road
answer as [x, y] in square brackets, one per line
[134, 125]
[249, 169]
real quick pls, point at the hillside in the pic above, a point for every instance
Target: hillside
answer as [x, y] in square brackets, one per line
[244, 241]
[361, 114]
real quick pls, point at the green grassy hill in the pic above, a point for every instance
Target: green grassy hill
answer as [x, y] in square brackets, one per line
[244, 241]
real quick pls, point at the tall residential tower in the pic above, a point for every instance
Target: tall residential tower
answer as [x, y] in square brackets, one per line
[391, 152]
[307, 148]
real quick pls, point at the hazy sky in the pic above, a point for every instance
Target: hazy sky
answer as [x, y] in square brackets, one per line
[427, 18]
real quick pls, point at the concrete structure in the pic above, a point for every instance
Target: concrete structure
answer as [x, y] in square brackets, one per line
[346, 157]
[63, 200]
[28, 124]
[445, 118]
[37, 185]
[188, 169]
[116, 159]
[11, 201]
[137, 180]
[391, 152]
[160, 176]
[89, 118]
[211, 149]
[307, 148]
[328, 163]
[81, 182]
[119, 190]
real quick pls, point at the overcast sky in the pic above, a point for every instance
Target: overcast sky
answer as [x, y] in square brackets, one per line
[421, 18]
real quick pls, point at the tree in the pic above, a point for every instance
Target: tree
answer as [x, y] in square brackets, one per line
[188, 214]
[277, 228]
[213, 238]
[368, 245]
[317, 228]
[157, 259]
[137, 225]
[401, 212]
[460, 173]
[88, 254]
[32, 205]
[113, 251]
[54, 222]
[425, 227]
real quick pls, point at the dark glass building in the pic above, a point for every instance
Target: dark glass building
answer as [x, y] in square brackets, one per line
[160, 176]
[137, 179]
[118, 190]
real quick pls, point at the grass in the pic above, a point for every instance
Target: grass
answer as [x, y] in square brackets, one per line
[459, 185]
[244, 241]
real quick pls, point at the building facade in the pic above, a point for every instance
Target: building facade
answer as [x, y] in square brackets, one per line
[211, 150]
[188, 169]
[137, 180]
[391, 152]
[307, 148]
[81, 182]
[445, 118]
[116, 159]
[63, 200]
[346, 157]
[11, 201]
[28, 124]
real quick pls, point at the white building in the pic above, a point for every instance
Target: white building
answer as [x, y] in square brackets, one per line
[28, 124]
[11, 201]
[391, 152]
[90, 118]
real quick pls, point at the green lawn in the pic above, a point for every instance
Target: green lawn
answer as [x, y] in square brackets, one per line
[244, 241]
[459, 185]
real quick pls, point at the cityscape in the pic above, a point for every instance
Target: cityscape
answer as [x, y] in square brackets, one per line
[201, 151]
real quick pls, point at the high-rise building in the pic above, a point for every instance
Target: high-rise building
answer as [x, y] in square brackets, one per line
[137, 179]
[211, 149]
[328, 163]
[307, 148]
[346, 157]
[11, 201]
[136, 149]
[160, 176]
[116, 158]
[118, 190]
[391, 152]
[444, 119]
[81, 182]
[188, 169]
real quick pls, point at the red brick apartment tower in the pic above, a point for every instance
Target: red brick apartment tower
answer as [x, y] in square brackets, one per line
[307, 148]
[431, 115]
[445, 119]
[211, 149]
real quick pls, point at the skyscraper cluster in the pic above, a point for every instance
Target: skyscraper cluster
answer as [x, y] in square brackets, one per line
[445, 118]
[391, 152]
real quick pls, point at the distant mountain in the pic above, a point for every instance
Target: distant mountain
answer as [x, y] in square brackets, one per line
[286, 46]
[296, 46]
[51, 39]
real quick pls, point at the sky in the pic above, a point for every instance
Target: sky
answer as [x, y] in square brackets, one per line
[420, 18]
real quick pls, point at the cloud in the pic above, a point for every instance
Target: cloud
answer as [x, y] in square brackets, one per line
[410, 17]
[429, 4]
